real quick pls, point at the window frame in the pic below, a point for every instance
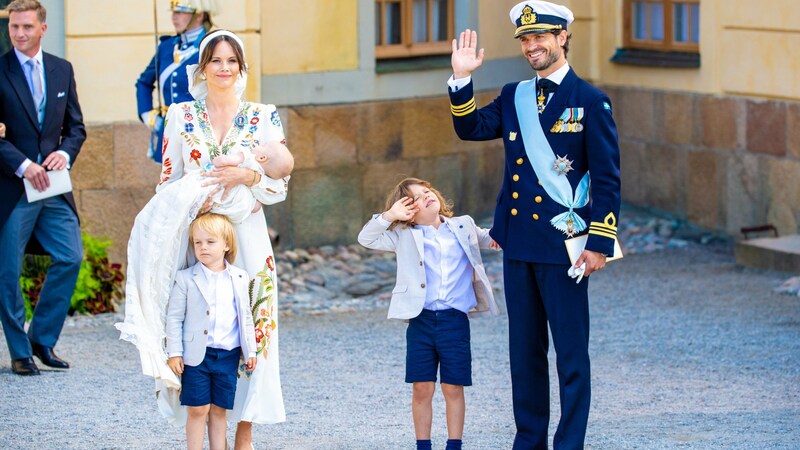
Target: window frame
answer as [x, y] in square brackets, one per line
[667, 44]
[407, 48]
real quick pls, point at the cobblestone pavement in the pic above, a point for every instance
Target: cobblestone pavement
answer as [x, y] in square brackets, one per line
[688, 351]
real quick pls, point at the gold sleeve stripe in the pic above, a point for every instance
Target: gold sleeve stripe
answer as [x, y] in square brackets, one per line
[463, 110]
[600, 233]
[603, 225]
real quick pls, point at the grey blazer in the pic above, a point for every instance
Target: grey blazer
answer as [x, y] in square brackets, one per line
[408, 295]
[188, 314]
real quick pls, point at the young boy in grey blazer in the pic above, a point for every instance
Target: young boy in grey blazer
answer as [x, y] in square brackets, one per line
[209, 327]
[440, 282]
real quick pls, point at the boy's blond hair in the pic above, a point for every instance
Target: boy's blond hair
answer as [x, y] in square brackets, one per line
[403, 189]
[219, 226]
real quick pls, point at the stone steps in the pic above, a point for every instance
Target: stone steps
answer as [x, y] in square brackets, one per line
[779, 253]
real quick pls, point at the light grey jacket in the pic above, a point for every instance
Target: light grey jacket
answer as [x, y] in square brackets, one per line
[408, 295]
[188, 314]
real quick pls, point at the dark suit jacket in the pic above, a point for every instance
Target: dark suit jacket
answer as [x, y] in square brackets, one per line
[62, 128]
[522, 216]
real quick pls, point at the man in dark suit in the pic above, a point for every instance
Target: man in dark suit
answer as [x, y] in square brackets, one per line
[44, 131]
[556, 128]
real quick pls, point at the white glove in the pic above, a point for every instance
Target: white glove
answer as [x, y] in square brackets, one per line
[577, 272]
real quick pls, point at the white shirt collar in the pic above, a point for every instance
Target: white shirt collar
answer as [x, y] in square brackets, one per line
[210, 274]
[558, 76]
[23, 58]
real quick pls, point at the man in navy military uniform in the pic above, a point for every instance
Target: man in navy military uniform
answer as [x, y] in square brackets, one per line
[192, 20]
[557, 129]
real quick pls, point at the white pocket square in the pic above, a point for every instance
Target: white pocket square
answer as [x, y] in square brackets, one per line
[61, 94]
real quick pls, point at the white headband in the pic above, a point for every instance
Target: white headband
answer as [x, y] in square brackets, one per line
[199, 90]
[216, 33]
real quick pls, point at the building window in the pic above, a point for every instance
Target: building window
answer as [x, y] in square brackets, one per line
[409, 28]
[662, 25]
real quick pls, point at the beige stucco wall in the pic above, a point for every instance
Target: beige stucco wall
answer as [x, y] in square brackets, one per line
[309, 36]
[742, 52]
[110, 42]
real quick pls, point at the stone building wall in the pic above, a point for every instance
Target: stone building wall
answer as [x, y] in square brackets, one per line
[722, 162]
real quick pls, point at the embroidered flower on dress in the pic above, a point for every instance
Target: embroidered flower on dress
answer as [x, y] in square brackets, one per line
[275, 119]
[195, 156]
[189, 127]
[271, 263]
[259, 335]
[239, 121]
[254, 120]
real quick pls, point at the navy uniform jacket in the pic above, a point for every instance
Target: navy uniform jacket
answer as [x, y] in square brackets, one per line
[522, 216]
[175, 89]
[62, 128]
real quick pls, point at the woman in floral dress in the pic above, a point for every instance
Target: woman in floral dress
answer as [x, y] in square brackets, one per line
[218, 122]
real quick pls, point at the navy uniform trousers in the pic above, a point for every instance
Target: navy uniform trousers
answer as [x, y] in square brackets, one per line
[536, 294]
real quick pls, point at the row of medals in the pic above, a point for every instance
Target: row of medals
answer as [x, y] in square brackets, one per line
[569, 127]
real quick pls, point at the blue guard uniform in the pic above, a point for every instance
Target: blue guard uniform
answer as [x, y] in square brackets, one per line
[560, 180]
[173, 55]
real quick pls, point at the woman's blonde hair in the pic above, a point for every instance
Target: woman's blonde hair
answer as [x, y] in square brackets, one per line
[403, 189]
[219, 226]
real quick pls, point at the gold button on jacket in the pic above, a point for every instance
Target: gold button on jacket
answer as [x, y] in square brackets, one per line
[515, 177]
[538, 199]
[535, 217]
[513, 211]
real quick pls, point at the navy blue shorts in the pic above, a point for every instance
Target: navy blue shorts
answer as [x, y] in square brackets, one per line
[213, 381]
[439, 341]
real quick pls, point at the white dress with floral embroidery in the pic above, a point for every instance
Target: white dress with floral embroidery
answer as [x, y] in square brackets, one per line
[158, 248]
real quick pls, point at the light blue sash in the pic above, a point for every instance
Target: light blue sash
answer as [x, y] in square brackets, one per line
[541, 156]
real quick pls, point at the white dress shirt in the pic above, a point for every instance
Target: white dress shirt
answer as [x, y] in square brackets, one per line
[448, 273]
[223, 322]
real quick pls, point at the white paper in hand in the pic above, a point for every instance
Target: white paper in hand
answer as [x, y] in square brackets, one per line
[575, 248]
[60, 183]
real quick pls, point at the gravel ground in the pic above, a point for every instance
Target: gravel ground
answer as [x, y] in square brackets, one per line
[688, 350]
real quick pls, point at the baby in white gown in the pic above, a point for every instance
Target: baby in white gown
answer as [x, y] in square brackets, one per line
[240, 202]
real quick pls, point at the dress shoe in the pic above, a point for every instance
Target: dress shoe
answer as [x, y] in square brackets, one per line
[47, 357]
[24, 366]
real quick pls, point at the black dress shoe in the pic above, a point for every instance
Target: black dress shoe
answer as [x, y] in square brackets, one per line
[47, 357]
[24, 366]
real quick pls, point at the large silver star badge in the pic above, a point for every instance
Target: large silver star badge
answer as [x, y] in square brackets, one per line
[562, 165]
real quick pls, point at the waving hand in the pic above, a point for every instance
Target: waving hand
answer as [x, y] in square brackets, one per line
[466, 56]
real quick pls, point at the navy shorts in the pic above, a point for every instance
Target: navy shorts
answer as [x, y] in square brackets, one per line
[213, 381]
[439, 341]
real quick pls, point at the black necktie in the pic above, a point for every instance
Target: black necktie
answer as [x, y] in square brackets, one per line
[546, 85]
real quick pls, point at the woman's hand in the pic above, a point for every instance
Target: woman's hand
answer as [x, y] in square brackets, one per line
[230, 177]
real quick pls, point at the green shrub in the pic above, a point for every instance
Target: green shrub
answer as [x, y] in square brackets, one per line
[100, 283]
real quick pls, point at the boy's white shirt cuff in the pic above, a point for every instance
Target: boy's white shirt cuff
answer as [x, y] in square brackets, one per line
[172, 355]
[455, 85]
[251, 355]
